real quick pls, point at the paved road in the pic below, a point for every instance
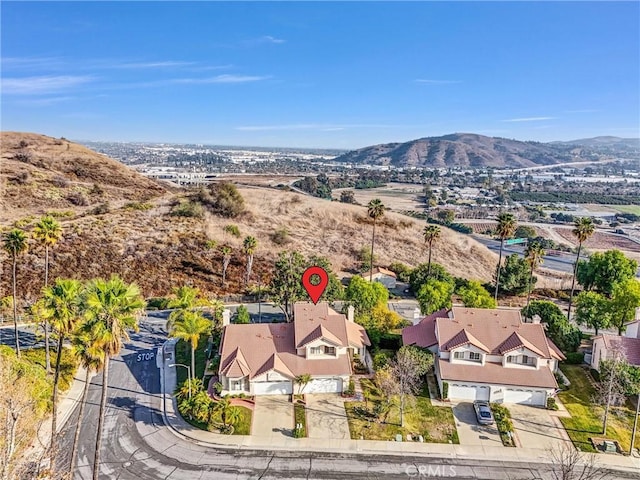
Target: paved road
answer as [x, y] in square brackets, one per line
[138, 446]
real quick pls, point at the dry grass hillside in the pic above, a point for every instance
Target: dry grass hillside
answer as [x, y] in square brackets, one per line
[40, 173]
[144, 243]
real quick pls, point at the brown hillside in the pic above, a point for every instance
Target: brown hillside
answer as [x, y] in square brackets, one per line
[40, 173]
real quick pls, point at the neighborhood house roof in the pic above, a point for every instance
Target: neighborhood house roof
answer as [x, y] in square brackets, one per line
[495, 373]
[379, 270]
[423, 334]
[628, 346]
[254, 349]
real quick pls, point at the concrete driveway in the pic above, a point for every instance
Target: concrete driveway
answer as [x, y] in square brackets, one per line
[326, 417]
[272, 416]
[469, 432]
[537, 427]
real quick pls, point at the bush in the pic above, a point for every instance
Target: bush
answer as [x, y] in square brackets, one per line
[504, 424]
[280, 236]
[223, 199]
[380, 360]
[242, 315]
[101, 209]
[445, 390]
[77, 199]
[551, 404]
[157, 303]
[187, 208]
[401, 270]
[138, 206]
[574, 358]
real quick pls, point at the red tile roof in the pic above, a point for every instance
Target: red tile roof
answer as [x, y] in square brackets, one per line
[423, 334]
[630, 347]
[380, 270]
[495, 373]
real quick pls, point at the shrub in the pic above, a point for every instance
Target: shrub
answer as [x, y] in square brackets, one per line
[59, 181]
[280, 236]
[574, 358]
[101, 209]
[138, 206]
[504, 424]
[445, 390]
[223, 199]
[157, 303]
[401, 270]
[77, 199]
[380, 360]
[187, 208]
[242, 315]
[232, 230]
[551, 404]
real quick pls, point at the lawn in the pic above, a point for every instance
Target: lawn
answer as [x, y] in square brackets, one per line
[300, 417]
[183, 355]
[243, 427]
[435, 424]
[626, 208]
[586, 419]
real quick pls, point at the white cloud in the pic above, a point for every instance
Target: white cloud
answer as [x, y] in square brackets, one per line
[162, 64]
[529, 119]
[42, 85]
[270, 39]
[427, 81]
[226, 78]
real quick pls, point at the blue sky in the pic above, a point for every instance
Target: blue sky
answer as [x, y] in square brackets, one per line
[340, 75]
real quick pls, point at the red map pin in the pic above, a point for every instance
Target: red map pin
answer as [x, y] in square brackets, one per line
[316, 290]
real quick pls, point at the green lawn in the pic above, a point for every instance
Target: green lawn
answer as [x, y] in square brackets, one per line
[183, 355]
[300, 416]
[243, 427]
[626, 208]
[435, 424]
[586, 419]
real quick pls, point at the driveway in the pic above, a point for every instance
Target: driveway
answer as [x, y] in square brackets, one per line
[326, 417]
[272, 416]
[469, 432]
[537, 427]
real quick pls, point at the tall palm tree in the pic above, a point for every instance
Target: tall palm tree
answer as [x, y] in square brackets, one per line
[375, 210]
[91, 357]
[15, 243]
[61, 304]
[249, 246]
[430, 234]
[226, 251]
[583, 229]
[186, 299]
[111, 308]
[533, 255]
[189, 327]
[47, 233]
[505, 229]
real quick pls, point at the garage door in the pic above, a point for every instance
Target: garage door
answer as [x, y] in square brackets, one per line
[461, 391]
[272, 388]
[323, 385]
[524, 396]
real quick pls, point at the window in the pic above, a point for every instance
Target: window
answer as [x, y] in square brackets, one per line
[330, 350]
[316, 350]
[525, 359]
[458, 355]
[510, 359]
[236, 385]
[474, 356]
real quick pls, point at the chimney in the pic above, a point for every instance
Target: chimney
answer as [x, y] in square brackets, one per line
[226, 317]
[416, 315]
[536, 319]
[351, 313]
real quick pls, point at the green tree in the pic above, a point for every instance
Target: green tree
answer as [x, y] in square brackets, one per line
[474, 295]
[112, 307]
[515, 274]
[185, 299]
[625, 298]
[593, 310]
[286, 286]
[583, 229]
[379, 319]
[534, 256]
[505, 229]
[434, 295]
[15, 243]
[249, 245]
[347, 196]
[446, 216]
[47, 232]
[364, 295]
[335, 289]
[375, 210]
[61, 305]
[563, 333]
[423, 272]
[226, 251]
[604, 270]
[91, 357]
[223, 199]
[242, 315]
[430, 234]
[302, 380]
[525, 231]
[190, 327]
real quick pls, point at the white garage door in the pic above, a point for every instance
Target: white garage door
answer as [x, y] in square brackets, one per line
[459, 391]
[524, 396]
[323, 385]
[272, 388]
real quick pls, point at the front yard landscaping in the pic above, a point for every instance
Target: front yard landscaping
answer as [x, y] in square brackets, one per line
[369, 421]
[586, 418]
[299, 417]
[504, 424]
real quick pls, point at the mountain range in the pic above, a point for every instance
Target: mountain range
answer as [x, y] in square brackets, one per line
[470, 150]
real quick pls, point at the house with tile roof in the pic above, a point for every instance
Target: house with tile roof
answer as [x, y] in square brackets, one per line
[381, 275]
[265, 358]
[605, 344]
[488, 354]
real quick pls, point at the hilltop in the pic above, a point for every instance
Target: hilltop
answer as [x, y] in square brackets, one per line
[472, 150]
[138, 238]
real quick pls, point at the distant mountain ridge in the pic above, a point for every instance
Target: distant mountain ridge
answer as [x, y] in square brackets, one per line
[477, 151]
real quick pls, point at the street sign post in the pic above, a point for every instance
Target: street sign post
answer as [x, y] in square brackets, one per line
[514, 241]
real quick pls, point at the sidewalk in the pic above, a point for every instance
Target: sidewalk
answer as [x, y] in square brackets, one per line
[183, 430]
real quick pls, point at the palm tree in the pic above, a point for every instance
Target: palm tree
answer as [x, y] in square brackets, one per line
[302, 381]
[112, 307]
[15, 243]
[189, 327]
[249, 245]
[226, 251]
[583, 229]
[91, 357]
[505, 229]
[533, 255]
[375, 210]
[430, 234]
[61, 304]
[186, 299]
[228, 414]
[47, 233]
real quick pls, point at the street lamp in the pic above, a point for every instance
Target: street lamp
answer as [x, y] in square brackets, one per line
[188, 373]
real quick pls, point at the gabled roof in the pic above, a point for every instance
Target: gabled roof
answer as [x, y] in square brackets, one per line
[423, 334]
[628, 346]
[274, 363]
[464, 338]
[236, 366]
[516, 341]
[495, 373]
[320, 332]
[380, 270]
